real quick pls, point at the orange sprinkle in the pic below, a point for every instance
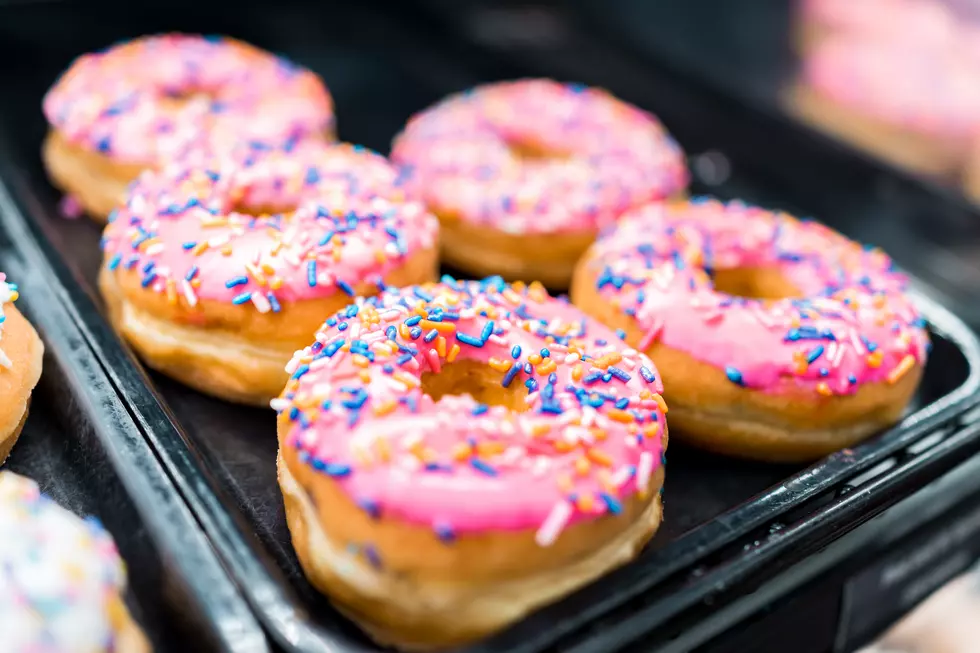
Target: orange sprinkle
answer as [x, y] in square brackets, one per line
[364, 376]
[582, 466]
[874, 359]
[360, 360]
[540, 429]
[561, 446]
[462, 451]
[403, 331]
[171, 292]
[409, 380]
[453, 352]
[599, 457]
[214, 221]
[385, 408]
[619, 415]
[565, 483]
[441, 327]
[585, 502]
[379, 256]
[275, 283]
[383, 449]
[600, 434]
[547, 367]
[660, 402]
[534, 358]
[196, 282]
[490, 448]
[537, 292]
[440, 346]
[200, 248]
[824, 389]
[499, 365]
[577, 373]
[902, 368]
[226, 250]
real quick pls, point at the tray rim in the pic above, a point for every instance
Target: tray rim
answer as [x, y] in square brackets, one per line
[170, 523]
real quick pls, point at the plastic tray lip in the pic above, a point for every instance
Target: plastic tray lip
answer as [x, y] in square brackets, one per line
[172, 525]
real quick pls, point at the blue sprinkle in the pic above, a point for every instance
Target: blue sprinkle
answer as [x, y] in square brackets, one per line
[487, 331]
[343, 285]
[421, 294]
[148, 279]
[482, 466]
[509, 376]
[468, 339]
[149, 266]
[531, 385]
[236, 281]
[334, 347]
[412, 321]
[404, 358]
[274, 303]
[189, 245]
[337, 469]
[545, 353]
[734, 375]
[342, 326]
[444, 531]
[479, 409]
[300, 371]
[326, 238]
[621, 334]
[311, 274]
[515, 352]
[647, 374]
[431, 335]
[312, 175]
[591, 378]
[612, 504]
[415, 332]
[852, 379]
[620, 374]
[104, 144]
[814, 354]
[114, 261]
[191, 273]
[622, 403]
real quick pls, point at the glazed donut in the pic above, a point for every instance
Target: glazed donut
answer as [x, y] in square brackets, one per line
[21, 351]
[914, 108]
[778, 339]
[141, 103]
[61, 579]
[216, 271]
[521, 174]
[454, 455]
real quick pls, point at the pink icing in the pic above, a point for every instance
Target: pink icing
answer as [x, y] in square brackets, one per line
[932, 91]
[911, 23]
[854, 325]
[118, 102]
[341, 218]
[590, 436]
[609, 156]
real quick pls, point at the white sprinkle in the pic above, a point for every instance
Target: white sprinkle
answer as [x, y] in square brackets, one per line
[189, 294]
[621, 476]
[261, 302]
[279, 404]
[644, 469]
[553, 524]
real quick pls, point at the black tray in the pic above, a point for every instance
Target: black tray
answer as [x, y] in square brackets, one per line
[726, 520]
[82, 447]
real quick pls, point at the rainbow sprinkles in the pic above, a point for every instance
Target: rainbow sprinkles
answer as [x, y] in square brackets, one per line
[586, 433]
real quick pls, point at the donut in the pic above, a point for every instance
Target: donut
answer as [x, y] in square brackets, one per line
[915, 108]
[916, 24]
[139, 104]
[454, 455]
[521, 174]
[218, 269]
[21, 351]
[61, 578]
[778, 339]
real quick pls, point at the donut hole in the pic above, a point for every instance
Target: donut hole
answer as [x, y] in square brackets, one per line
[261, 209]
[754, 283]
[476, 379]
[528, 150]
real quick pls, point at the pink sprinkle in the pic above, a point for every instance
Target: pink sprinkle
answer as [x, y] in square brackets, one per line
[433, 359]
[70, 207]
[261, 303]
[553, 524]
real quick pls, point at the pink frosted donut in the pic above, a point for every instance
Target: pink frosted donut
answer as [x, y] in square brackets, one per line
[778, 339]
[522, 174]
[217, 269]
[914, 107]
[453, 455]
[909, 23]
[139, 104]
